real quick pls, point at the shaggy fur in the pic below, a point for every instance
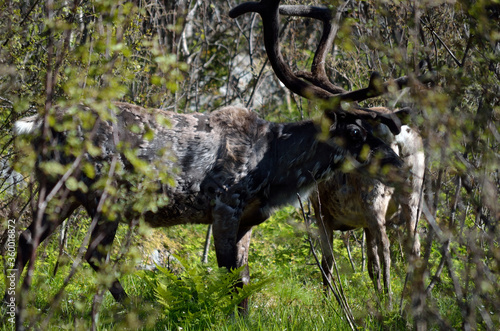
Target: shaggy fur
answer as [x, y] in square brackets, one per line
[351, 201]
[230, 168]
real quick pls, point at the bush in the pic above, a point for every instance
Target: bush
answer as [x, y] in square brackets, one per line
[199, 296]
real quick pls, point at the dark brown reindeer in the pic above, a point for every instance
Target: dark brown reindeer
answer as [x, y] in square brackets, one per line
[351, 201]
[232, 168]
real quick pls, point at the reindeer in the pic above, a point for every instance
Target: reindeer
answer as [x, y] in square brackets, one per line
[351, 201]
[232, 167]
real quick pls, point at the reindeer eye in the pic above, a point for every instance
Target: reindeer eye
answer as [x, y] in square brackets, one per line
[356, 134]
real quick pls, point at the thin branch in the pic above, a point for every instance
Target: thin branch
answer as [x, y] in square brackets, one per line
[22, 22]
[338, 293]
[206, 249]
[259, 76]
[450, 52]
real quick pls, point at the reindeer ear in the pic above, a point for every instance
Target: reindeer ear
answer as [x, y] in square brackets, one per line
[376, 115]
[392, 122]
[332, 116]
[404, 114]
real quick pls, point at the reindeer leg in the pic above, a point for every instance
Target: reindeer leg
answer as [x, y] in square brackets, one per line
[373, 259]
[242, 247]
[98, 253]
[231, 243]
[326, 241]
[410, 195]
[382, 243]
[386, 262]
[225, 230]
[410, 211]
[27, 244]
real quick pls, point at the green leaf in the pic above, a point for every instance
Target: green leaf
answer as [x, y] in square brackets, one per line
[72, 184]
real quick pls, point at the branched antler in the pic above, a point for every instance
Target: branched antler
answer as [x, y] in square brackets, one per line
[315, 84]
[318, 76]
[269, 11]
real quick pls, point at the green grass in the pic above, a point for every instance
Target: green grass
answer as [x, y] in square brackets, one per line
[291, 298]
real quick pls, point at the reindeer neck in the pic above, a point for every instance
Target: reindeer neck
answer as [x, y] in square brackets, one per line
[299, 160]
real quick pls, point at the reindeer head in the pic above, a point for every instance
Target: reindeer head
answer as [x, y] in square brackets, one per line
[365, 152]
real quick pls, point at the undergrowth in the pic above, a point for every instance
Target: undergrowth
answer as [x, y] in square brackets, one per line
[285, 291]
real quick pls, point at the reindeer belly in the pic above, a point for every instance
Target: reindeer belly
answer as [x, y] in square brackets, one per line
[352, 201]
[181, 210]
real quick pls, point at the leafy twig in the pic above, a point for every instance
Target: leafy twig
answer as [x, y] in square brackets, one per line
[338, 293]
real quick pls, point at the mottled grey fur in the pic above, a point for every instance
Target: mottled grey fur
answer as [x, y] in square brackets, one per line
[231, 169]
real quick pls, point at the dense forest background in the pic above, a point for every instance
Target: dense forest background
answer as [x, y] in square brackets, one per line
[187, 56]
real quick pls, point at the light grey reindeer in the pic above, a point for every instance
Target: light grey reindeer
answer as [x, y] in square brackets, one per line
[351, 201]
[233, 168]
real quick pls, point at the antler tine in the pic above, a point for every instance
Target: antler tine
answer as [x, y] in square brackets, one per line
[318, 76]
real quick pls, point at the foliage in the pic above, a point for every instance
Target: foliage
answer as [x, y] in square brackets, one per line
[190, 56]
[198, 297]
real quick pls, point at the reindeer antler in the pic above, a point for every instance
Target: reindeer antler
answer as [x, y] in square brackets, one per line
[269, 11]
[318, 76]
[316, 84]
